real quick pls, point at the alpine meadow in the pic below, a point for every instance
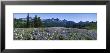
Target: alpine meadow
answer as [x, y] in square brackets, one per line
[55, 26]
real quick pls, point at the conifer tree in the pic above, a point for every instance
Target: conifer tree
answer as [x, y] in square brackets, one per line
[27, 21]
[37, 22]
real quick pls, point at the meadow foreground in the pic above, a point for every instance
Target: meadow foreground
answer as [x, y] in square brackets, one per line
[54, 33]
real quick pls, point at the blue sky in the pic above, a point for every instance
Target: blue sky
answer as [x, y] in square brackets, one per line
[76, 17]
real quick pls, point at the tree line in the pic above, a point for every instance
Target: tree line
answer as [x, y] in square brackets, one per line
[29, 22]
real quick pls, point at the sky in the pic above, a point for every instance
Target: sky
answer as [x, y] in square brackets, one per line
[76, 17]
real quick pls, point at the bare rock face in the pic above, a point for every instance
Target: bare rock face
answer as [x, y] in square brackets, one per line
[54, 33]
